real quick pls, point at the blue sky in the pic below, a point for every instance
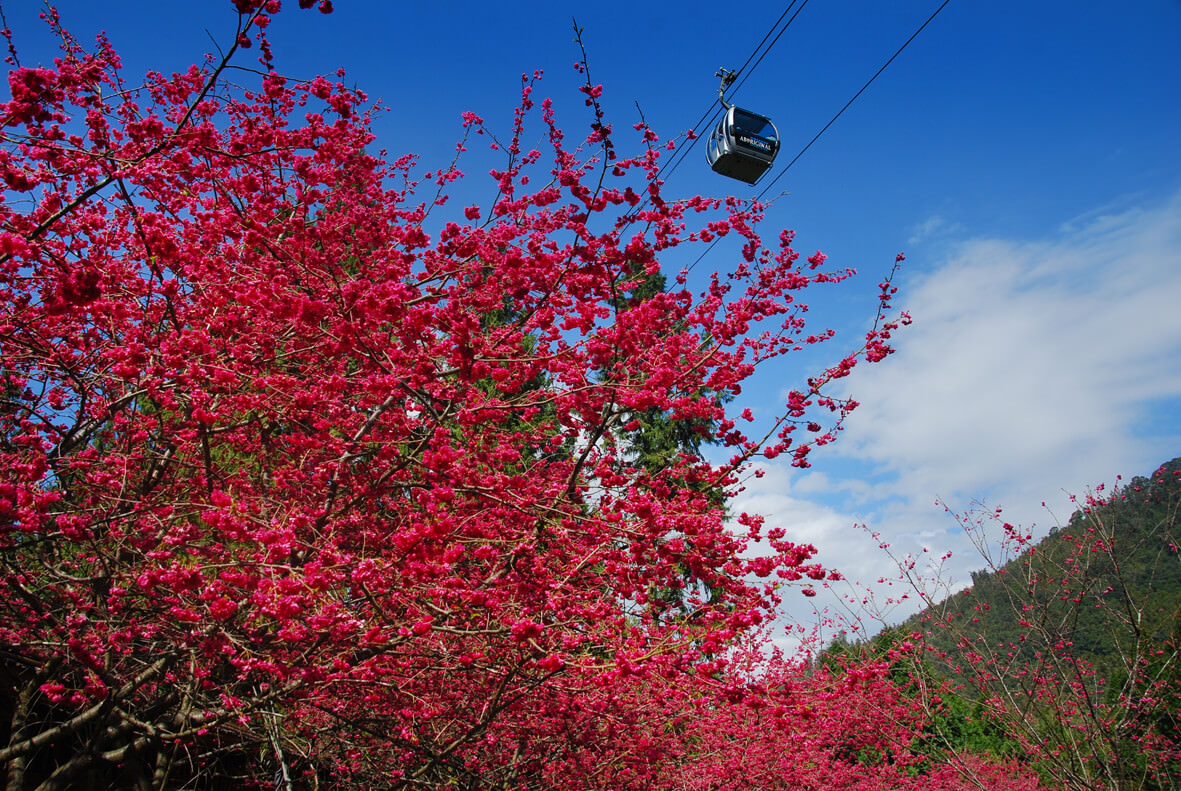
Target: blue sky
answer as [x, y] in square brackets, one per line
[1024, 155]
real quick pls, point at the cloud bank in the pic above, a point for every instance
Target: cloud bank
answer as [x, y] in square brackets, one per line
[1032, 369]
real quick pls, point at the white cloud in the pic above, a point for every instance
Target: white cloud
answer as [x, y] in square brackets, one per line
[933, 226]
[1029, 360]
[1032, 369]
[781, 495]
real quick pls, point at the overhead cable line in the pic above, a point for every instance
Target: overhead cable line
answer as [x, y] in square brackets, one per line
[767, 35]
[680, 155]
[848, 103]
[832, 120]
[772, 44]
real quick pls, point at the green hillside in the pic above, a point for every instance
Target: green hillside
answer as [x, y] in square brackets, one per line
[1109, 577]
[1067, 652]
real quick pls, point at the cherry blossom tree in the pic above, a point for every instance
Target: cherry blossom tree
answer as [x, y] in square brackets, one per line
[1070, 644]
[317, 479]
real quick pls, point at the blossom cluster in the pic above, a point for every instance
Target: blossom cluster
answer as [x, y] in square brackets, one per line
[308, 477]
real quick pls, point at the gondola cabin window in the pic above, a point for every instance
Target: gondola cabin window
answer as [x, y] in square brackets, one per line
[743, 145]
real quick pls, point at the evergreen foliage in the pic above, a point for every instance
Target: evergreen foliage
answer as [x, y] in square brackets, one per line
[1067, 650]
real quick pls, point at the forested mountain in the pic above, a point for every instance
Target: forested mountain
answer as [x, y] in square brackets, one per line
[1109, 575]
[1066, 651]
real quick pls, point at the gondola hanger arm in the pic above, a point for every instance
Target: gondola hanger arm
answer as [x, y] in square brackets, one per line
[728, 78]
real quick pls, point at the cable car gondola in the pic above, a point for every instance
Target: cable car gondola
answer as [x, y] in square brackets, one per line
[744, 144]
